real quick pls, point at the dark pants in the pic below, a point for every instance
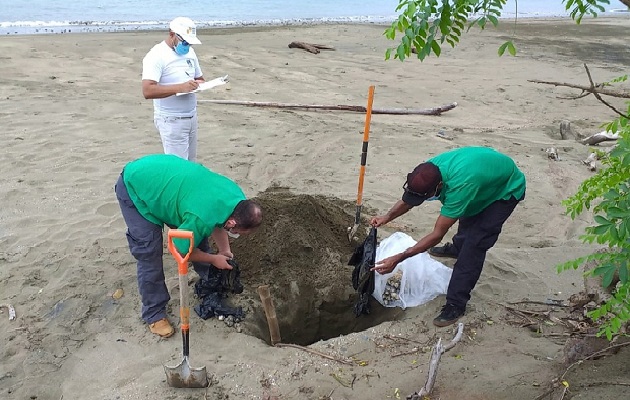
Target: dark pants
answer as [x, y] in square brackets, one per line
[146, 245]
[475, 236]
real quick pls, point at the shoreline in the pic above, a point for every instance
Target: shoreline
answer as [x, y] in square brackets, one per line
[136, 27]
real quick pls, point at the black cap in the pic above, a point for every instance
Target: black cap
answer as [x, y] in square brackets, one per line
[421, 184]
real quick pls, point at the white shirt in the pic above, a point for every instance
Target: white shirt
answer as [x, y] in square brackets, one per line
[164, 66]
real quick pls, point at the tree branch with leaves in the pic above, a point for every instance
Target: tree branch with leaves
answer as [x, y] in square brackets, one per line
[423, 26]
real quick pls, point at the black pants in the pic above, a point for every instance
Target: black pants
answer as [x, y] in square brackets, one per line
[475, 236]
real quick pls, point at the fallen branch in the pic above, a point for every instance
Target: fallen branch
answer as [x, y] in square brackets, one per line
[310, 47]
[11, 310]
[595, 89]
[340, 107]
[436, 354]
[600, 137]
[625, 94]
[306, 349]
[549, 302]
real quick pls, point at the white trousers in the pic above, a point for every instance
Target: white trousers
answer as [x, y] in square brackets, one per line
[179, 136]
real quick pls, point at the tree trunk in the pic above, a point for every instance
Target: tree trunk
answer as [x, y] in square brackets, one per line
[626, 2]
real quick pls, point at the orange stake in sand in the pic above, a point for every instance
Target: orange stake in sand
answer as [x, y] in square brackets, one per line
[366, 135]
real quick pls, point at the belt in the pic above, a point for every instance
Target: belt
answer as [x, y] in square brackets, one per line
[182, 117]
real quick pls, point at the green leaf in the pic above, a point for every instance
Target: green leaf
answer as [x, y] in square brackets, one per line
[511, 49]
[502, 48]
[608, 276]
[599, 230]
[435, 46]
[400, 52]
[623, 273]
[601, 220]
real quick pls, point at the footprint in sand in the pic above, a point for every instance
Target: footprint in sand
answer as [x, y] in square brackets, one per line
[108, 210]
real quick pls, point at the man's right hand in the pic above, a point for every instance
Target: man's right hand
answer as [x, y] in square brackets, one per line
[378, 221]
[188, 86]
[220, 261]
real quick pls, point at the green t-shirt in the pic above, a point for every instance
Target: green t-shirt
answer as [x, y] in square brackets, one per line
[474, 178]
[169, 190]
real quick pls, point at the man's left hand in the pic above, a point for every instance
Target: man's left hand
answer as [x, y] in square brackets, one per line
[227, 253]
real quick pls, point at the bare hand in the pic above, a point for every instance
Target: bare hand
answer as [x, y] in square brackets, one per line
[189, 86]
[386, 265]
[227, 253]
[220, 261]
[378, 221]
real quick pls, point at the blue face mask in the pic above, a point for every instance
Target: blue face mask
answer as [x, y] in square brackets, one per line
[432, 198]
[182, 49]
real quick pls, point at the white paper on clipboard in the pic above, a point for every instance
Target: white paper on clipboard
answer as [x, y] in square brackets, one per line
[222, 80]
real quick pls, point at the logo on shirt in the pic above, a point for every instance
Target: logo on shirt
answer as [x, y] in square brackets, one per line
[189, 63]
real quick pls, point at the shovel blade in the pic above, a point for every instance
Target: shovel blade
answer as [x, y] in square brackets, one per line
[183, 376]
[352, 231]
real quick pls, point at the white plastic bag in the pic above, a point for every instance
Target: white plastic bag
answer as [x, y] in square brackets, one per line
[414, 281]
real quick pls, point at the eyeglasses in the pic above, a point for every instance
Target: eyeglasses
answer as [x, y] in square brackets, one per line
[181, 39]
[407, 190]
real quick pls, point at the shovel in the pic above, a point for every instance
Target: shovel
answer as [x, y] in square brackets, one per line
[183, 375]
[366, 134]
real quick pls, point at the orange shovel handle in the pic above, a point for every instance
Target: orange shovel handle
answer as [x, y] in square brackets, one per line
[182, 261]
[366, 137]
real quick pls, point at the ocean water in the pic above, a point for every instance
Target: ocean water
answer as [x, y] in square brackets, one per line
[63, 16]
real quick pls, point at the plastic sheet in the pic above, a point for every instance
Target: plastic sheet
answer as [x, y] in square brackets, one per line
[419, 279]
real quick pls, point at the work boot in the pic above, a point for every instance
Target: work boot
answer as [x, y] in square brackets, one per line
[162, 328]
[449, 315]
[448, 250]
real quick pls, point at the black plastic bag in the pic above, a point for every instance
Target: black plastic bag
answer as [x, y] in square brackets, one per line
[212, 289]
[362, 277]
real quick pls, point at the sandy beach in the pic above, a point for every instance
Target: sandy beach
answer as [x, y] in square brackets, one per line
[73, 115]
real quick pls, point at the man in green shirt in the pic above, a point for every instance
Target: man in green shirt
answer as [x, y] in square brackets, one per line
[479, 187]
[159, 190]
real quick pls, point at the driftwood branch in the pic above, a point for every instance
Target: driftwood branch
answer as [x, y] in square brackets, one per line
[625, 94]
[595, 89]
[340, 107]
[310, 47]
[603, 136]
[598, 97]
[306, 349]
[436, 354]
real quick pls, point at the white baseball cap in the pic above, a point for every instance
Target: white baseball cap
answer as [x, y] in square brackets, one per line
[185, 28]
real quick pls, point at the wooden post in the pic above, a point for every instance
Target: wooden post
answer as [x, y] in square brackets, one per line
[270, 312]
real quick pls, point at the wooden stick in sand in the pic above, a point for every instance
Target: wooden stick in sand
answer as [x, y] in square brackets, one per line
[339, 107]
[270, 312]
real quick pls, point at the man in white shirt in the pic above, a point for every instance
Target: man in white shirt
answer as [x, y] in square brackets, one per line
[172, 67]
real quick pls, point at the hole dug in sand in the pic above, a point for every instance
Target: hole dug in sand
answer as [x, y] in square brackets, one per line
[301, 251]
